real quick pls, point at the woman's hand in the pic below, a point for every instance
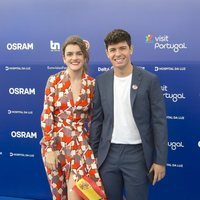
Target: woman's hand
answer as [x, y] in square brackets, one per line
[51, 160]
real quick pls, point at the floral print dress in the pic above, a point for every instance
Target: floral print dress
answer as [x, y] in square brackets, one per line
[65, 131]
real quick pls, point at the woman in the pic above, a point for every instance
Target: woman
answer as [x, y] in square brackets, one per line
[68, 95]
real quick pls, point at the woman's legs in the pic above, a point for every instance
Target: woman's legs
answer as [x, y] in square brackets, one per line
[56, 179]
[57, 183]
[72, 195]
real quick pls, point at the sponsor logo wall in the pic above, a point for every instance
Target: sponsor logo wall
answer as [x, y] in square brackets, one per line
[31, 53]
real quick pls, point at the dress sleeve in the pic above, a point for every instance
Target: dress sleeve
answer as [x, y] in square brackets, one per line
[47, 116]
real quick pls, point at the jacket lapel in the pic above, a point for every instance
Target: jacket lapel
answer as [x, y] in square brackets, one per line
[110, 93]
[136, 79]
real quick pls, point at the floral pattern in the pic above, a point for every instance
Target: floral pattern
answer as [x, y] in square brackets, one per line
[65, 130]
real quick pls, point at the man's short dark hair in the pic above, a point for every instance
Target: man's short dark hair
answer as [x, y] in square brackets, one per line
[116, 36]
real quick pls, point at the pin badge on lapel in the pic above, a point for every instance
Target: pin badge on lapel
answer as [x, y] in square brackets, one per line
[135, 87]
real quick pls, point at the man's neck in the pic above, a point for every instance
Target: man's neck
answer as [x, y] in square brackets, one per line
[123, 72]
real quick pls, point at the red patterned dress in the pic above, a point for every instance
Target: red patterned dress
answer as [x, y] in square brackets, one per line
[64, 124]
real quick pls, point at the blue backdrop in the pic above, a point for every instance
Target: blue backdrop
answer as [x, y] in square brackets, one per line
[166, 41]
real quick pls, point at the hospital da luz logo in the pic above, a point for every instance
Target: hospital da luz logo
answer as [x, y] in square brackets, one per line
[163, 42]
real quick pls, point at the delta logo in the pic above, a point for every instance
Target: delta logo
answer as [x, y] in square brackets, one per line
[162, 42]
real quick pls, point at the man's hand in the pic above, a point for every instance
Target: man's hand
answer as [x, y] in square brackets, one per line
[159, 172]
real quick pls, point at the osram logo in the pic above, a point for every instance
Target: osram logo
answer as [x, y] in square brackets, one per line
[19, 46]
[22, 91]
[24, 134]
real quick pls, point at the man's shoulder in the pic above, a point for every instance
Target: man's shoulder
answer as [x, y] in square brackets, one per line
[105, 75]
[145, 73]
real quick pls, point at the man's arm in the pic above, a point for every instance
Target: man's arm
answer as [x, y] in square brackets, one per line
[159, 125]
[97, 121]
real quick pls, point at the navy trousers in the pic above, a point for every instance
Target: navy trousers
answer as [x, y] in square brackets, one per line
[124, 172]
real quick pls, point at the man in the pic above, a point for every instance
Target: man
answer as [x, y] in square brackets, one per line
[128, 129]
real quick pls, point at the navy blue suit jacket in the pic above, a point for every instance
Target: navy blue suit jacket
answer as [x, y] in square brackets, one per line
[148, 110]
